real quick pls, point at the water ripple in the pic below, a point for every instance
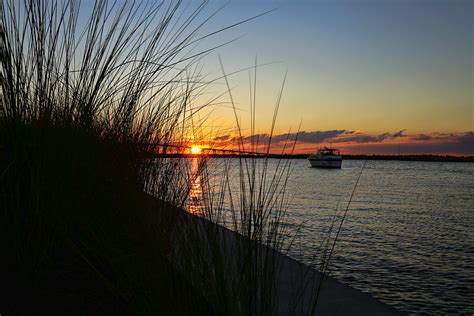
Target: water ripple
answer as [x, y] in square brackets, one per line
[408, 238]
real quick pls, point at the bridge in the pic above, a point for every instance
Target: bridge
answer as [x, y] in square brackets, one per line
[212, 151]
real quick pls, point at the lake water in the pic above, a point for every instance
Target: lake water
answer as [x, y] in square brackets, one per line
[408, 237]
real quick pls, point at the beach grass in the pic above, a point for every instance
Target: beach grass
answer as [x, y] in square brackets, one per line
[90, 224]
[82, 106]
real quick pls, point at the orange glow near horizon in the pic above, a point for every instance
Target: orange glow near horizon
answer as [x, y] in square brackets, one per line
[196, 150]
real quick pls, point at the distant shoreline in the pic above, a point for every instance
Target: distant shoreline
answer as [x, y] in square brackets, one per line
[434, 158]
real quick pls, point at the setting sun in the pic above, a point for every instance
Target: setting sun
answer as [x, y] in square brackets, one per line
[196, 150]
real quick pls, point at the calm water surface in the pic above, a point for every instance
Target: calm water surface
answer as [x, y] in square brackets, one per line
[408, 237]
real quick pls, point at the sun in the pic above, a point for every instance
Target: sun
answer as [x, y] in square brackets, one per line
[196, 150]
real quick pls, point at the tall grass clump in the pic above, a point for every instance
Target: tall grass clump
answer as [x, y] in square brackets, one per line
[92, 214]
[86, 97]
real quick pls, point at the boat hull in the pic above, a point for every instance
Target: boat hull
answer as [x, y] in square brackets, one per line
[319, 163]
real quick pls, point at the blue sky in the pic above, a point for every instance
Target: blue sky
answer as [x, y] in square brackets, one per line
[363, 65]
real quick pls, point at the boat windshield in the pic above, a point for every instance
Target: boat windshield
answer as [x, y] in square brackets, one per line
[329, 151]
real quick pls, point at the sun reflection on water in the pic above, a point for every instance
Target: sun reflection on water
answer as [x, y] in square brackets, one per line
[195, 204]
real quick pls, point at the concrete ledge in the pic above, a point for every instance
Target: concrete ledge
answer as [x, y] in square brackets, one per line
[335, 297]
[296, 283]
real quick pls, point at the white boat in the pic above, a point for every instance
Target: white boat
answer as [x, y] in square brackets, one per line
[326, 158]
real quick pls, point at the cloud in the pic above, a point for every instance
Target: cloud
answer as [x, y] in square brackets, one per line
[314, 137]
[422, 137]
[399, 133]
[223, 137]
[366, 138]
[433, 143]
[302, 137]
[467, 139]
[359, 138]
[320, 136]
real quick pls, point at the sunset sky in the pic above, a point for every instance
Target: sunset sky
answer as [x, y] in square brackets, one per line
[370, 76]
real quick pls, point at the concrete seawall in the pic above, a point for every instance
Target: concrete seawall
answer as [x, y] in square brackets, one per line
[335, 297]
[296, 282]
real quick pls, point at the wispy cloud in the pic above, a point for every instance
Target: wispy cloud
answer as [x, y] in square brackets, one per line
[302, 137]
[399, 133]
[366, 138]
[422, 137]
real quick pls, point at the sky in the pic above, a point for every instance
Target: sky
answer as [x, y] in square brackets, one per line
[368, 76]
[392, 76]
